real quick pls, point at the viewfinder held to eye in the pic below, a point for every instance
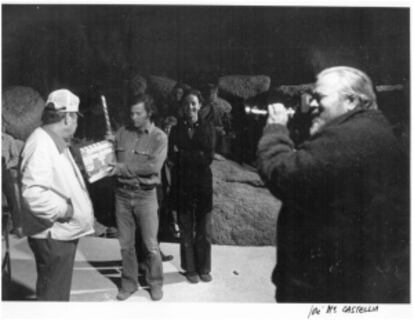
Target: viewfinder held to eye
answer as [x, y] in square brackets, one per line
[298, 110]
[296, 99]
[254, 110]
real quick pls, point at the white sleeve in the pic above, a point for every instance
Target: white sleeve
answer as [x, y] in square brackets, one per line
[37, 175]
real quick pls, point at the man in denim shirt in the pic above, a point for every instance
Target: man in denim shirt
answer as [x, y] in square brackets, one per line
[141, 149]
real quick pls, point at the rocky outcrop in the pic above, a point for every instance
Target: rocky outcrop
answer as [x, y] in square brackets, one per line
[243, 86]
[293, 90]
[22, 110]
[223, 105]
[160, 87]
[244, 211]
[137, 85]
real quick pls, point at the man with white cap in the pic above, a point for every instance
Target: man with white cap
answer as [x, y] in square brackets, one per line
[58, 208]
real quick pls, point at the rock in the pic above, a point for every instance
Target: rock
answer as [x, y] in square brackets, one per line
[232, 172]
[294, 90]
[160, 87]
[224, 106]
[243, 86]
[22, 110]
[138, 85]
[244, 212]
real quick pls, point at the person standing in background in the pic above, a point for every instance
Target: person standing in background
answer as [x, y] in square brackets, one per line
[191, 152]
[11, 149]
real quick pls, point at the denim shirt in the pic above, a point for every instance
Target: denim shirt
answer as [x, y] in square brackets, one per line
[141, 154]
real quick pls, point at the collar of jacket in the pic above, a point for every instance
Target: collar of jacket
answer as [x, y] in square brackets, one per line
[188, 124]
[345, 117]
[61, 144]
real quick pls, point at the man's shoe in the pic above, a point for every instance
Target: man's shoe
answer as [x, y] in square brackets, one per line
[124, 294]
[156, 293]
[205, 277]
[166, 258]
[192, 277]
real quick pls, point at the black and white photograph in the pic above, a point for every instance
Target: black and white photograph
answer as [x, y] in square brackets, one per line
[198, 160]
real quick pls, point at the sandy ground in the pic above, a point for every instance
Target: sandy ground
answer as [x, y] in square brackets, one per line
[240, 274]
[241, 289]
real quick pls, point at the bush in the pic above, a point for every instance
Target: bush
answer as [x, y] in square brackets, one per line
[22, 111]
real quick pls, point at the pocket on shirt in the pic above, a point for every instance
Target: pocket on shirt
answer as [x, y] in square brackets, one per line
[141, 154]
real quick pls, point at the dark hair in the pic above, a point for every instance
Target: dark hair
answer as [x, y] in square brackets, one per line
[179, 85]
[193, 92]
[148, 102]
[208, 88]
[51, 115]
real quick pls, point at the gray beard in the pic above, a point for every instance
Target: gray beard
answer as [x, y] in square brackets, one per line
[317, 125]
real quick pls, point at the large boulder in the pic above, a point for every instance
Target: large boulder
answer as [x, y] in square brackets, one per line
[223, 105]
[294, 90]
[22, 110]
[244, 86]
[160, 87]
[244, 211]
[138, 85]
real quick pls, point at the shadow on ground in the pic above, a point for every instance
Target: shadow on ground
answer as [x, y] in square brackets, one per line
[112, 270]
[14, 291]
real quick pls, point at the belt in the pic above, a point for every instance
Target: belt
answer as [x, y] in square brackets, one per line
[132, 187]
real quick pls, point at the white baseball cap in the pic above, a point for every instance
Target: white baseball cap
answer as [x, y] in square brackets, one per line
[64, 100]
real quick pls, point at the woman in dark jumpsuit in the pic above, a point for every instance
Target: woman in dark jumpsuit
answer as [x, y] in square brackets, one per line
[191, 149]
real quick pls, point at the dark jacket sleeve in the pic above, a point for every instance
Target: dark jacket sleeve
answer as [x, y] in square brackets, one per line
[342, 152]
[203, 155]
[288, 171]
[172, 146]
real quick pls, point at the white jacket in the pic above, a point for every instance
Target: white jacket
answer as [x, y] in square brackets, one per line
[44, 166]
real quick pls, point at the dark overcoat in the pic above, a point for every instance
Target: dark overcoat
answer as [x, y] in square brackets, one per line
[191, 152]
[343, 230]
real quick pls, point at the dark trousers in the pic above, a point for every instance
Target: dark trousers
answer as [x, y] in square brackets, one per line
[195, 219]
[136, 211]
[54, 264]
